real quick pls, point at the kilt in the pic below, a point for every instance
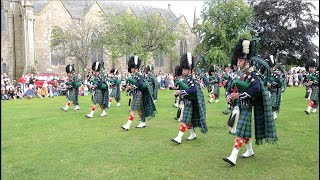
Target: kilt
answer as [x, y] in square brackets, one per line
[244, 122]
[194, 112]
[216, 90]
[187, 111]
[136, 101]
[315, 93]
[115, 93]
[278, 100]
[72, 95]
[273, 98]
[100, 97]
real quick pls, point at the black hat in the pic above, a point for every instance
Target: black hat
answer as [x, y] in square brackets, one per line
[96, 66]
[243, 50]
[187, 61]
[211, 69]
[270, 60]
[70, 68]
[149, 68]
[310, 63]
[114, 71]
[134, 62]
[177, 71]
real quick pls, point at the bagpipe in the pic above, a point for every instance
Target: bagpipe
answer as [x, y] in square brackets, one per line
[73, 83]
[113, 82]
[201, 62]
[100, 82]
[134, 84]
[183, 86]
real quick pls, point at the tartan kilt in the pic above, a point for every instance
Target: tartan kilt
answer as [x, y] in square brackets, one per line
[244, 122]
[216, 90]
[100, 97]
[278, 100]
[194, 112]
[273, 98]
[315, 93]
[187, 111]
[71, 94]
[136, 102]
[115, 93]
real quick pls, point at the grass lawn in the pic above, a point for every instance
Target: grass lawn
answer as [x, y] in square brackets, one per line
[40, 141]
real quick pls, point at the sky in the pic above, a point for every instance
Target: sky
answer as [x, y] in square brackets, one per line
[187, 8]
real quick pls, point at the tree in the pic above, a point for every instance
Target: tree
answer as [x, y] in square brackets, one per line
[139, 34]
[224, 23]
[77, 40]
[289, 27]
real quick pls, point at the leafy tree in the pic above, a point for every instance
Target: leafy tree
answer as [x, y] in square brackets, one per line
[224, 23]
[139, 34]
[77, 40]
[289, 27]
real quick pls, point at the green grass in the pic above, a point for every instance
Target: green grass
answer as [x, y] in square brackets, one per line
[40, 141]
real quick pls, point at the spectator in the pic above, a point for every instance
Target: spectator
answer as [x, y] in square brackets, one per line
[4, 95]
[42, 92]
[45, 84]
[11, 93]
[19, 92]
[29, 94]
[5, 79]
[51, 90]
[81, 90]
[22, 82]
[31, 80]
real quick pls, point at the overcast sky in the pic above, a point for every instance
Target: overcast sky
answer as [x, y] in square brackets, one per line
[187, 8]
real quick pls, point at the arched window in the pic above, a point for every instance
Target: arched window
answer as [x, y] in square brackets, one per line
[4, 68]
[57, 48]
[181, 48]
[185, 47]
[3, 18]
[97, 48]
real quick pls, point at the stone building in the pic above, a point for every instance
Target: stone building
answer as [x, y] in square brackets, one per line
[27, 26]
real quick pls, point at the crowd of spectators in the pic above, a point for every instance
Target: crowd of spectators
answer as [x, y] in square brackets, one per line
[25, 87]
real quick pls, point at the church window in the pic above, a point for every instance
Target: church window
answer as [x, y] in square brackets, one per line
[183, 47]
[57, 48]
[97, 48]
[4, 68]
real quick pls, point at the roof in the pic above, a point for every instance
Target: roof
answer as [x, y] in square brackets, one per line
[78, 8]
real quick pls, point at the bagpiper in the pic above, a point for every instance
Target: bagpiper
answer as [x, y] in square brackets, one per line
[312, 84]
[194, 112]
[114, 86]
[214, 81]
[141, 96]
[251, 89]
[100, 93]
[73, 85]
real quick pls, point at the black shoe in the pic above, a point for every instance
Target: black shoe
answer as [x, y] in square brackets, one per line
[191, 139]
[173, 140]
[306, 112]
[228, 161]
[225, 112]
[124, 128]
[175, 118]
[247, 157]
